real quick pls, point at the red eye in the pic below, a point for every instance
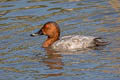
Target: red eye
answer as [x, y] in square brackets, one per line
[46, 26]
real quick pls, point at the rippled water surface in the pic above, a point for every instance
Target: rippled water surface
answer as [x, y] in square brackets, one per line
[23, 58]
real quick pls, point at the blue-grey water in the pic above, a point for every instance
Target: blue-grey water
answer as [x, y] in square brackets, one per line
[23, 58]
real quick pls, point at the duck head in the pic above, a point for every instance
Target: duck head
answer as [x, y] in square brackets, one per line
[50, 29]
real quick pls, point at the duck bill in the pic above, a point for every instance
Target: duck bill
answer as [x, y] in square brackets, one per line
[37, 33]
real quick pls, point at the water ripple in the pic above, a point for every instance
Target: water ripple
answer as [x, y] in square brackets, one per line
[23, 58]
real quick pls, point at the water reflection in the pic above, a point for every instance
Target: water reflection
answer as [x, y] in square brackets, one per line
[53, 60]
[116, 6]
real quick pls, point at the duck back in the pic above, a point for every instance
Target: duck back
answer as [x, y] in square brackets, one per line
[73, 42]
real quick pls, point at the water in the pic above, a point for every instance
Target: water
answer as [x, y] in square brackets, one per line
[23, 58]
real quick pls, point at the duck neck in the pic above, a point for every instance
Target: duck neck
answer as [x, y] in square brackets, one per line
[50, 41]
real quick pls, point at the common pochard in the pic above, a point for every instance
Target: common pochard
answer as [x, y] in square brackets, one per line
[66, 43]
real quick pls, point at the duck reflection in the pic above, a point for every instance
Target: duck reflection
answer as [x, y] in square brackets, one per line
[53, 59]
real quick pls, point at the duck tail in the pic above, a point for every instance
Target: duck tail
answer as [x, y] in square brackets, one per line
[100, 42]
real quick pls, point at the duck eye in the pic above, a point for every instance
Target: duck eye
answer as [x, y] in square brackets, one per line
[46, 26]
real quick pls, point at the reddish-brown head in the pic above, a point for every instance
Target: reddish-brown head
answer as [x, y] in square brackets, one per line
[50, 29]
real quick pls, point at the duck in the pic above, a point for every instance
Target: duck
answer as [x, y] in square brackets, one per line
[66, 43]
